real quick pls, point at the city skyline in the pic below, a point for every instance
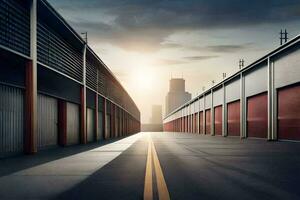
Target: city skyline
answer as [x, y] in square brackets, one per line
[195, 43]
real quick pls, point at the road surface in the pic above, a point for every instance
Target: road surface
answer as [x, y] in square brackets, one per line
[157, 165]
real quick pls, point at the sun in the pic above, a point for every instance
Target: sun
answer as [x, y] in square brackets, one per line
[143, 78]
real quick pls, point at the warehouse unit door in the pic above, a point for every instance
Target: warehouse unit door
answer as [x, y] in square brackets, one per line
[207, 122]
[90, 123]
[47, 134]
[289, 113]
[257, 116]
[108, 126]
[233, 118]
[201, 127]
[73, 123]
[11, 120]
[218, 120]
[100, 126]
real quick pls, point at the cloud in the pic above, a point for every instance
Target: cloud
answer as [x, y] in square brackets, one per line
[200, 58]
[143, 25]
[170, 62]
[228, 48]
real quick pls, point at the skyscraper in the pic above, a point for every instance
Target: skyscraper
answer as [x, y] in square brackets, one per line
[176, 95]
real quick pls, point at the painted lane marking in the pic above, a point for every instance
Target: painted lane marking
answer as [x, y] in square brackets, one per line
[163, 193]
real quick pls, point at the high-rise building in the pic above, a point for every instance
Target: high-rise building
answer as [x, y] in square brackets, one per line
[176, 95]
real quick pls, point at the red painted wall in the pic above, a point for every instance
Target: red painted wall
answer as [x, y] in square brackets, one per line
[233, 118]
[257, 116]
[289, 113]
[218, 120]
[207, 121]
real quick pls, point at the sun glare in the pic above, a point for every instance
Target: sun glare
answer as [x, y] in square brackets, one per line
[143, 78]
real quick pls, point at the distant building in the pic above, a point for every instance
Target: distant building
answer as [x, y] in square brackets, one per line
[176, 95]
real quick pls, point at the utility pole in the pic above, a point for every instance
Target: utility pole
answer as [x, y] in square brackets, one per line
[283, 36]
[241, 63]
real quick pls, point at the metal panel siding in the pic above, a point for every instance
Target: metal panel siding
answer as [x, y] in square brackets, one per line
[208, 101]
[201, 122]
[207, 121]
[15, 25]
[287, 69]
[218, 120]
[233, 91]
[54, 51]
[90, 123]
[201, 104]
[233, 117]
[289, 113]
[100, 126]
[256, 81]
[257, 116]
[11, 120]
[47, 134]
[218, 96]
[73, 123]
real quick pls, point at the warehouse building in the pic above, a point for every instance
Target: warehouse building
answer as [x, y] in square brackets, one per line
[262, 100]
[54, 90]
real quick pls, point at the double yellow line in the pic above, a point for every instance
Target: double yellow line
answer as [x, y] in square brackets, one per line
[162, 188]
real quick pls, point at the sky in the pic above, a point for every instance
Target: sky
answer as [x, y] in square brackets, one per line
[146, 42]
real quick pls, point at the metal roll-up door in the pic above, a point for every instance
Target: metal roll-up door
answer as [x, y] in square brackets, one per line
[73, 123]
[195, 123]
[289, 113]
[218, 120]
[100, 126]
[90, 122]
[11, 120]
[201, 122]
[207, 121]
[108, 126]
[233, 118]
[47, 134]
[257, 116]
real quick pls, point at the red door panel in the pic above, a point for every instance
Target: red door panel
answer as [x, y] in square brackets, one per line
[195, 122]
[201, 122]
[207, 121]
[218, 120]
[289, 113]
[257, 116]
[233, 118]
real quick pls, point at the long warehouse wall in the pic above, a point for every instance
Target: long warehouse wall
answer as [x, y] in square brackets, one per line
[261, 101]
[54, 90]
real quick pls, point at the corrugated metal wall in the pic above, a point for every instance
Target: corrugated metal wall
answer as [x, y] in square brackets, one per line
[11, 120]
[90, 123]
[47, 134]
[73, 123]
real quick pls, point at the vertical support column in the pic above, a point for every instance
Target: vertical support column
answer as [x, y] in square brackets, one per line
[96, 117]
[243, 109]
[212, 114]
[30, 146]
[83, 136]
[104, 119]
[112, 120]
[62, 122]
[224, 118]
[272, 102]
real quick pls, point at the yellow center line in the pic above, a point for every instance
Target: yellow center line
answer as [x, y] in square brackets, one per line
[162, 188]
[148, 191]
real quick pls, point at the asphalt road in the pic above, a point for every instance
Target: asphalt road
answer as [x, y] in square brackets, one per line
[191, 167]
